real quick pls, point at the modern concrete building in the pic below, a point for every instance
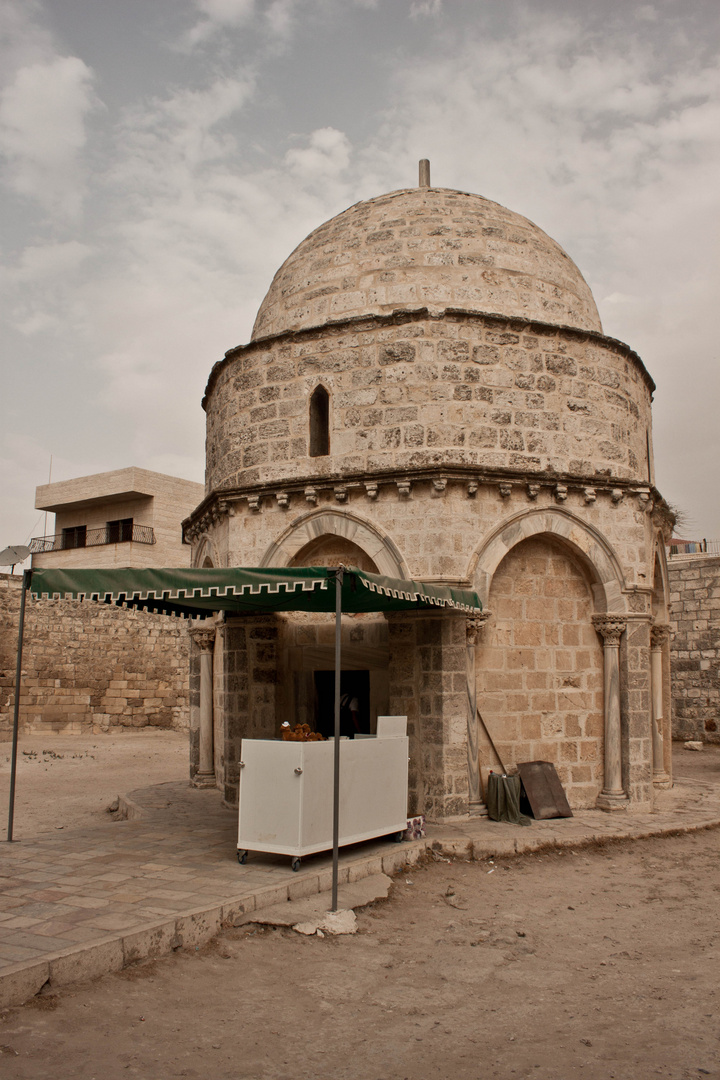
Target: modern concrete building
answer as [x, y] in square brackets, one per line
[429, 393]
[128, 517]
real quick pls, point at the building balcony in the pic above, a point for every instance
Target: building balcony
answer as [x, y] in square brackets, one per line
[80, 537]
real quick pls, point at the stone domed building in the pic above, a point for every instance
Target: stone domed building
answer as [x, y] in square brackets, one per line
[428, 393]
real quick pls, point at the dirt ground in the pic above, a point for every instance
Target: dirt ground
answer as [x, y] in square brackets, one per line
[600, 963]
[68, 781]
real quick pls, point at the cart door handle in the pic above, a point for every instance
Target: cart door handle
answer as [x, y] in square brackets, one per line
[298, 770]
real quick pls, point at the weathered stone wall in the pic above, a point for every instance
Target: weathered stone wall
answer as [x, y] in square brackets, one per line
[428, 684]
[246, 692]
[89, 666]
[423, 531]
[478, 420]
[540, 668]
[413, 391]
[695, 647]
[426, 247]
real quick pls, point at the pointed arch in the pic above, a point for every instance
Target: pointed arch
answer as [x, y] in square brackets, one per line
[378, 546]
[661, 583]
[583, 540]
[205, 554]
[319, 421]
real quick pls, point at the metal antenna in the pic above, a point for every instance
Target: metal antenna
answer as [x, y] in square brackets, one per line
[424, 180]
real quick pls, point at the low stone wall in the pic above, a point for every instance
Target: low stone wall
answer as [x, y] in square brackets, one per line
[91, 667]
[695, 649]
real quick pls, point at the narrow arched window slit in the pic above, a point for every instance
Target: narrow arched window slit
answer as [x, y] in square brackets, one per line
[319, 422]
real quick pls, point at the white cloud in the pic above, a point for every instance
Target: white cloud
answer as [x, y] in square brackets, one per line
[40, 262]
[217, 15]
[326, 155]
[609, 147]
[277, 17]
[614, 150]
[182, 132]
[227, 12]
[42, 131]
[280, 17]
[23, 38]
[425, 7]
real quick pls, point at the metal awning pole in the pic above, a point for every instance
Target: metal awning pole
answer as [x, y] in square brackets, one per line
[27, 577]
[336, 755]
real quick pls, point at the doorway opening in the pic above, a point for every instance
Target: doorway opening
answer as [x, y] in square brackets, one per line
[356, 684]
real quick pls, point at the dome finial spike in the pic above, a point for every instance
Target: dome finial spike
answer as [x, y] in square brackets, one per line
[424, 180]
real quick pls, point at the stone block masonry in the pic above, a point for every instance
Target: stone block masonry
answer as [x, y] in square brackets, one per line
[540, 668]
[695, 647]
[91, 667]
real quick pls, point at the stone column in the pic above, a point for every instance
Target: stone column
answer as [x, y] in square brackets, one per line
[477, 805]
[659, 634]
[205, 640]
[611, 629]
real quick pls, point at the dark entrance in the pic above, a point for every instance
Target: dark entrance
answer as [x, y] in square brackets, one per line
[354, 683]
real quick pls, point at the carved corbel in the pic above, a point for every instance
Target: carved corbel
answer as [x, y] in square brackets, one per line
[473, 626]
[561, 493]
[505, 490]
[371, 490]
[311, 496]
[533, 490]
[404, 488]
[226, 508]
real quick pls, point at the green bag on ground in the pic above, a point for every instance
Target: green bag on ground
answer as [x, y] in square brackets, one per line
[503, 799]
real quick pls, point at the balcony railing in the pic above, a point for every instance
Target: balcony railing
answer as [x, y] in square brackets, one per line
[694, 547]
[141, 534]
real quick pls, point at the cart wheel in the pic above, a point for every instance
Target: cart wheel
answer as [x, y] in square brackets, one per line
[242, 857]
[398, 836]
[295, 864]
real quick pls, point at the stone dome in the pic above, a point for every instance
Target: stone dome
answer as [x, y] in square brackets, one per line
[431, 248]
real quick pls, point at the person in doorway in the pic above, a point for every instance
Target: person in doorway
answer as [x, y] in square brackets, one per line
[349, 715]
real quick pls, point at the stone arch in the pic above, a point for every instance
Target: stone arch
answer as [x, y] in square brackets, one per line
[661, 584]
[205, 554]
[379, 547]
[540, 665]
[583, 540]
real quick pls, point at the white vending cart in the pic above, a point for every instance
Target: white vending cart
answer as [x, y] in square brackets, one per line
[286, 791]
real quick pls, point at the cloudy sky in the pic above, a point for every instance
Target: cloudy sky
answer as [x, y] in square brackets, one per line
[160, 160]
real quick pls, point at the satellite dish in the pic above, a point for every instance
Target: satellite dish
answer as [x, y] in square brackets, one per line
[14, 554]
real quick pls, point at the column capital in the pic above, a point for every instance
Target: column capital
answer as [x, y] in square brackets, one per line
[610, 627]
[659, 634]
[203, 637]
[474, 625]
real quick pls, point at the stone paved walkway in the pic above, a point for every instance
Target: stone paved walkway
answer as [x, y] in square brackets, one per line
[75, 905]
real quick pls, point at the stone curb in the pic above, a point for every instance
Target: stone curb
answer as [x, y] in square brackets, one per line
[129, 810]
[192, 929]
[187, 930]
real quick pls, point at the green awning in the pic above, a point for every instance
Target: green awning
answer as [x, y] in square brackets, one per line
[192, 593]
